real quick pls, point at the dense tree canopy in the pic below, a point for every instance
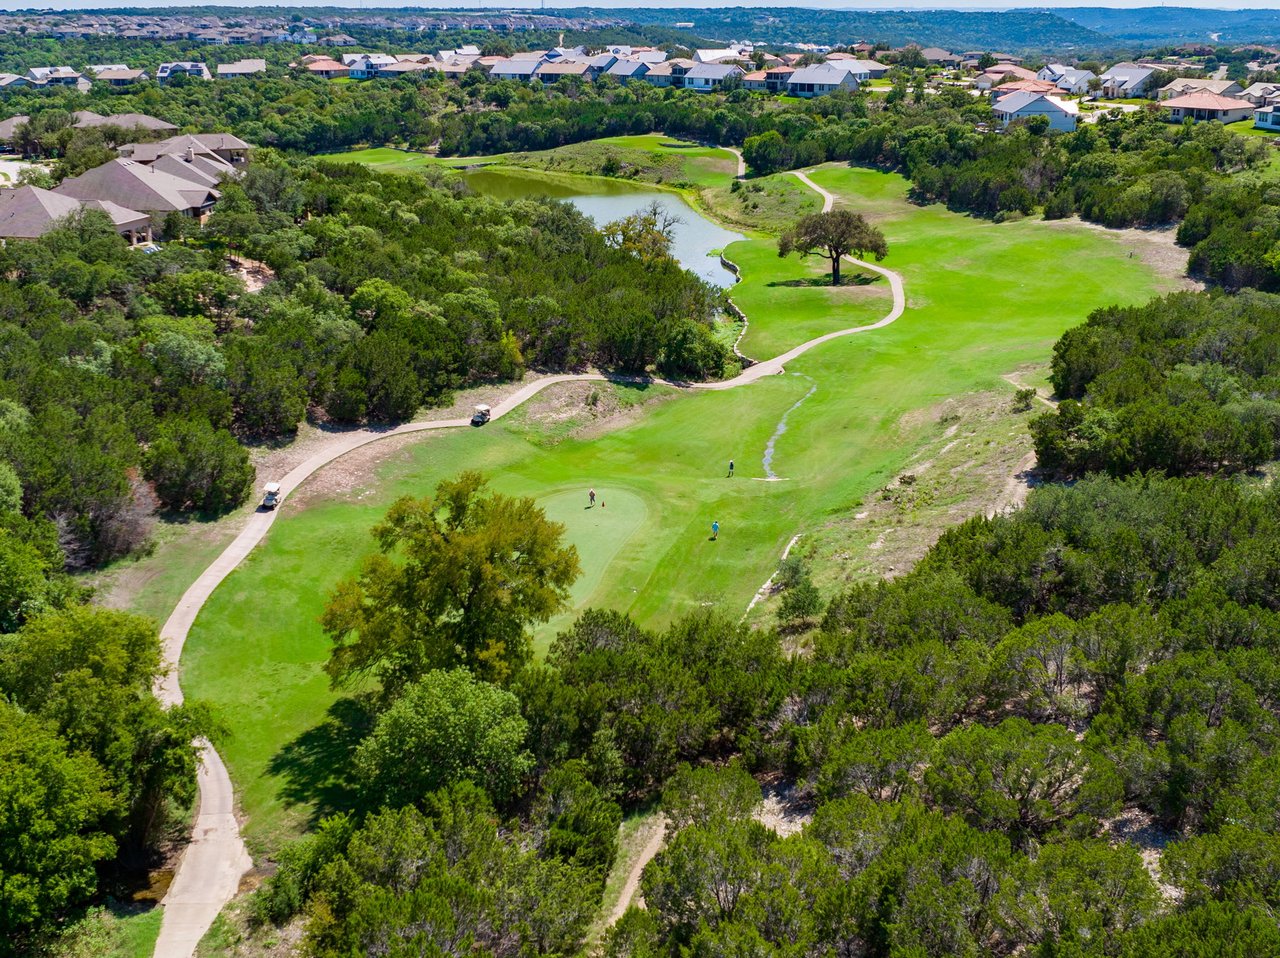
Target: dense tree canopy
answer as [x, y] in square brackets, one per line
[1186, 385]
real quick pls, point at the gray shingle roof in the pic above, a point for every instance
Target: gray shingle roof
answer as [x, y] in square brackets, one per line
[138, 187]
[29, 212]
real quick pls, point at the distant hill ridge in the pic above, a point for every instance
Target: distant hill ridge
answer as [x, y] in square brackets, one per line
[962, 30]
[1094, 29]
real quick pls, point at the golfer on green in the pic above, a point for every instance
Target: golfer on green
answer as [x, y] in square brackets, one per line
[715, 531]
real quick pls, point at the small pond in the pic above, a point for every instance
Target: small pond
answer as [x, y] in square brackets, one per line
[695, 238]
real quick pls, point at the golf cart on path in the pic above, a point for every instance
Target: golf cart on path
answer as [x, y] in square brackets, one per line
[271, 496]
[483, 415]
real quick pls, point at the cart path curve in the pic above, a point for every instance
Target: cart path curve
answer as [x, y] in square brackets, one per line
[828, 201]
[742, 164]
[216, 859]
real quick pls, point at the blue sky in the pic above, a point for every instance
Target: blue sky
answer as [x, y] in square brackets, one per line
[696, 4]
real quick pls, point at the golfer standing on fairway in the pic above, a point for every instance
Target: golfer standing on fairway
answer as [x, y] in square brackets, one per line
[591, 496]
[730, 468]
[715, 531]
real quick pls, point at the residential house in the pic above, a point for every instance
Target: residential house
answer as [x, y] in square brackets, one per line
[454, 69]
[723, 55]
[338, 40]
[9, 128]
[398, 69]
[28, 212]
[187, 68]
[137, 186]
[97, 68]
[705, 77]
[466, 50]
[223, 148]
[772, 80]
[670, 73]
[11, 81]
[1067, 79]
[1261, 94]
[624, 71]
[559, 69]
[820, 80]
[1024, 86]
[123, 77]
[56, 76]
[327, 69]
[646, 55]
[1000, 73]
[241, 68]
[366, 65]
[1185, 85]
[514, 69]
[1198, 107]
[864, 69]
[1022, 105]
[1125, 80]
[1264, 118]
[940, 57]
[598, 64]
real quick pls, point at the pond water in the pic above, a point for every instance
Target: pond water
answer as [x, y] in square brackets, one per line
[694, 239]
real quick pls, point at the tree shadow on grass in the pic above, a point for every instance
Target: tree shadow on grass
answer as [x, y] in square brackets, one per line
[316, 766]
[809, 282]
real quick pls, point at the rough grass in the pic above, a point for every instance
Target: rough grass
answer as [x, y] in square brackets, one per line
[767, 202]
[983, 300]
[112, 931]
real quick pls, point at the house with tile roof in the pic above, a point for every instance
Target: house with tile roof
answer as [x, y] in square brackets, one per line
[1199, 107]
[241, 68]
[1184, 85]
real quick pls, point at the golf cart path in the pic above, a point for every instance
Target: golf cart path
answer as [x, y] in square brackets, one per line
[742, 164]
[828, 200]
[216, 859]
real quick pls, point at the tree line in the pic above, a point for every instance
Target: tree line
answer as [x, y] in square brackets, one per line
[1183, 385]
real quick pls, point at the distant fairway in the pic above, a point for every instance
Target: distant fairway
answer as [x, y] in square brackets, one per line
[982, 300]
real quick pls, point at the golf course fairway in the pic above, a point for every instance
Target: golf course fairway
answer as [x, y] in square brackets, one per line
[982, 299]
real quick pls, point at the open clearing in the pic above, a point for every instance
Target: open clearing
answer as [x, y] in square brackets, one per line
[983, 300]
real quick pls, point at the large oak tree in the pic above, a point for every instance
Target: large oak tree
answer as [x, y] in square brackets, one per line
[834, 235]
[457, 580]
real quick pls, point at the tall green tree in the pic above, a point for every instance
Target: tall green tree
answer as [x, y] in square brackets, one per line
[446, 728]
[54, 802]
[835, 235]
[457, 581]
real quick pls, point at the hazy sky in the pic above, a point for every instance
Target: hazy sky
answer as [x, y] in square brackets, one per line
[604, 4]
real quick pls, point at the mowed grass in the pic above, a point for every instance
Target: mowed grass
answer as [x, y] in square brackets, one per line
[983, 299]
[650, 158]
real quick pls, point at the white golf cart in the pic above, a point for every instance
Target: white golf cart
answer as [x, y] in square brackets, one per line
[483, 415]
[271, 495]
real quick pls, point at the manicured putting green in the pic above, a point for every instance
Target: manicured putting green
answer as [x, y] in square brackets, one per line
[598, 532]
